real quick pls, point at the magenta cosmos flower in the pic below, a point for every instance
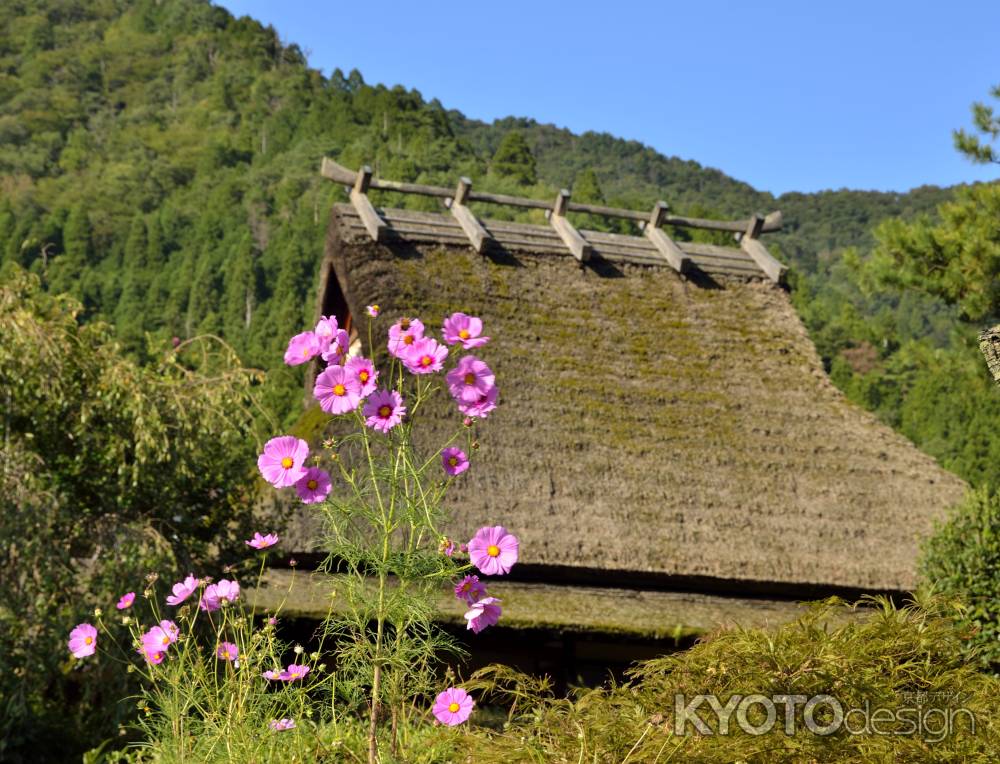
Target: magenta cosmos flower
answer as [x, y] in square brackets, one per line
[493, 550]
[483, 613]
[215, 594]
[364, 371]
[453, 706]
[338, 347]
[373, 310]
[337, 391]
[152, 654]
[325, 331]
[183, 590]
[403, 334]
[227, 651]
[82, 640]
[293, 673]
[280, 725]
[384, 410]
[470, 379]
[263, 542]
[454, 461]
[470, 590]
[282, 460]
[314, 486]
[459, 327]
[156, 640]
[483, 406]
[301, 348]
[126, 601]
[425, 356]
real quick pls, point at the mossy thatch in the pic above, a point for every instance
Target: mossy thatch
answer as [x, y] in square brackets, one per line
[653, 424]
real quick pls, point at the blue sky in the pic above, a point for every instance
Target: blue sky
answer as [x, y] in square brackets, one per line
[788, 96]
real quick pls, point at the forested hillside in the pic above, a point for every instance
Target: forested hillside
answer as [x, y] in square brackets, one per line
[159, 161]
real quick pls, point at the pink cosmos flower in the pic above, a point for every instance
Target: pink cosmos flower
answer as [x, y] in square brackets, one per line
[483, 613]
[493, 550]
[384, 410]
[483, 406]
[446, 547]
[339, 345]
[470, 379]
[126, 601]
[301, 348]
[155, 640]
[453, 706]
[364, 371]
[227, 651]
[459, 327]
[215, 594]
[272, 675]
[403, 334]
[183, 590]
[282, 460]
[171, 630]
[151, 654]
[293, 673]
[425, 356]
[280, 725]
[262, 542]
[373, 311]
[470, 590]
[82, 640]
[337, 391]
[325, 331]
[314, 486]
[454, 461]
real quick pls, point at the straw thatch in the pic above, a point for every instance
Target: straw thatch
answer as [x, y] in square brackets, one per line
[656, 425]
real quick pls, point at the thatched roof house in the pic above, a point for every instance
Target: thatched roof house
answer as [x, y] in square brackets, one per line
[672, 432]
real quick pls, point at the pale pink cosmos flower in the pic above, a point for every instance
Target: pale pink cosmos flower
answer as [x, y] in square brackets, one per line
[281, 463]
[325, 331]
[314, 486]
[453, 706]
[446, 547]
[425, 356]
[171, 630]
[183, 590]
[384, 410]
[280, 725]
[364, 370]
[152, 654]
[483, 406]
[156, 639]
[337, 391]
[493, 550]
[470, 589]
[339, 345]
[227, 651]
[470, 379]
[403, 334]
[454, 461]
[82, 640]
[483, 613]
[301, 348]
[272, 675]
[459, 327]
[293, 673]
[215, 594]
[263, 542]
[373, 311]
[126, 601]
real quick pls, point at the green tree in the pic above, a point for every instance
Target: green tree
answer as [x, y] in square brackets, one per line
[513, 159]
[980, 148]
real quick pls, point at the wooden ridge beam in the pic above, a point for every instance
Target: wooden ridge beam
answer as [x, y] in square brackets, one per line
[478, 236]
[752, 246]
[571, 237]
[359, 198]
[679, 261]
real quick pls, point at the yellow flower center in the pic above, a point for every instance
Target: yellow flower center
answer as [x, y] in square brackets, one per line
[312, 485]
[466, 586]
[88, 640]
[375, 308]
[305, 353]
[452, 461]
[166, 640]
[470, 379]
[408, 339]
[426, 361]
[384, 411]
[225, 654]
[453, 707]
[493, 550]
[339, 390]
[363, 375]
[287, 462]
[464, 334]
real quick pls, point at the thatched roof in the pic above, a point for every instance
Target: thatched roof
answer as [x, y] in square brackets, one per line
[653, 424]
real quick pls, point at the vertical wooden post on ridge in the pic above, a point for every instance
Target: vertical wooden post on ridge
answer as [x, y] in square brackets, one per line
[571, 237]
[359, 198]
[679, 261]
[478, 236]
